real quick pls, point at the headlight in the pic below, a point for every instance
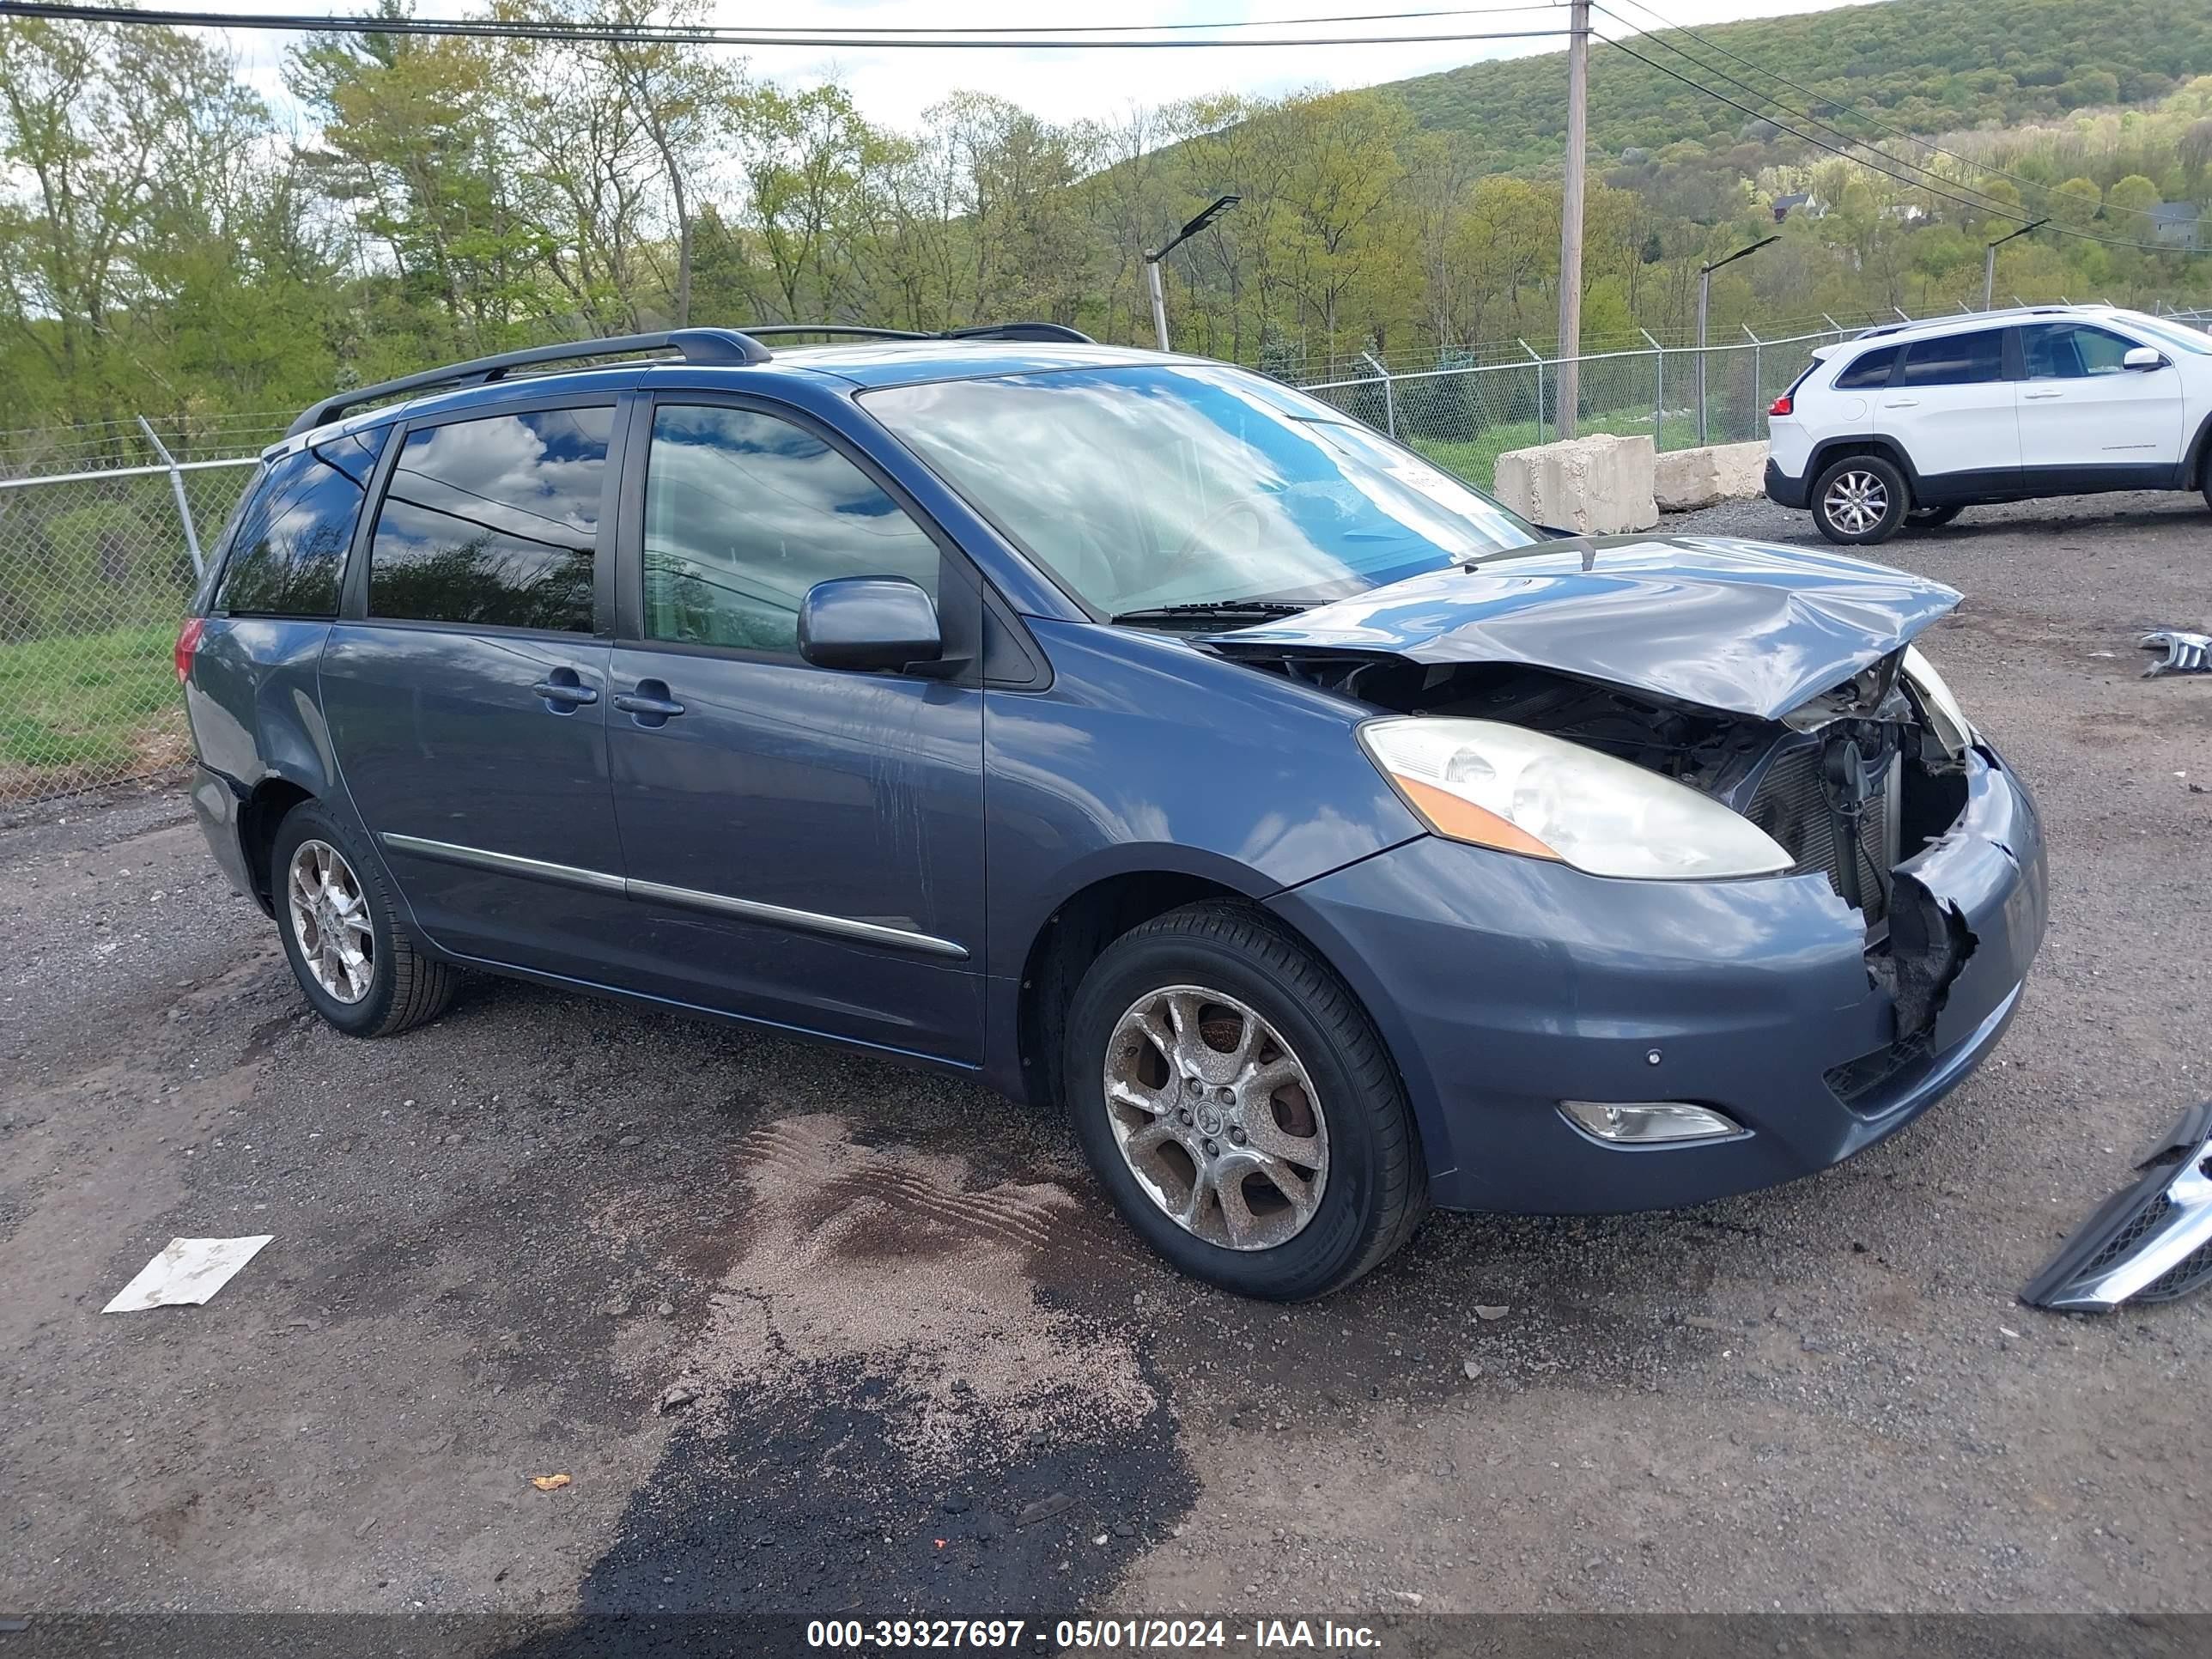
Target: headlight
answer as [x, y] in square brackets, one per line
[1522, 791]
[1936, 702]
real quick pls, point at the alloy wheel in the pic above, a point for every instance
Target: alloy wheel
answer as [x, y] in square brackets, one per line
[329, 921]
[1216, 1117]
[1856, 501]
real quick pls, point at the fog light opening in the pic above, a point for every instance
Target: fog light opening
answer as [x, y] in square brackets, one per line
[1648, 1123]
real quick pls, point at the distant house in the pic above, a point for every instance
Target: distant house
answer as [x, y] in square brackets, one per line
[1797, 202]
[2176, 224]
[1906, 213]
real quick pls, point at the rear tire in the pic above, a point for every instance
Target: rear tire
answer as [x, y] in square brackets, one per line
[350, 948]
[1860, 500]
[1929, 518]
[1239, 1107]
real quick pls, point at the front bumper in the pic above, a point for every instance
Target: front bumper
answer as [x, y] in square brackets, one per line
[1783, 490]
[1504, 985]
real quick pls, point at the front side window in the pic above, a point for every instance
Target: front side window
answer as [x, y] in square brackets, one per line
[2072, 351]
[1955, 360]
[288, 544]
[744, 513]
[493, 522]
[1166, 484]
[1870, 370]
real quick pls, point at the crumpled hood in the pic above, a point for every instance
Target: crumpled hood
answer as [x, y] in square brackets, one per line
[1746, 628]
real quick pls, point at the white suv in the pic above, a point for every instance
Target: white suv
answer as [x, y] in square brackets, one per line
[1910, 422]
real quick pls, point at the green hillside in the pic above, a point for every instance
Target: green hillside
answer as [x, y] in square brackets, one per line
[1929, 66]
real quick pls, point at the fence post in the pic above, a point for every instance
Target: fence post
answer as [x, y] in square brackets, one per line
[1758, 386]
[1389, 403]
[1538, 361]
[1658, 389]
[177, 488]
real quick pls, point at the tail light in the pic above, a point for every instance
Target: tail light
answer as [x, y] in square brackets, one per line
[1781, 405]
[188, 644]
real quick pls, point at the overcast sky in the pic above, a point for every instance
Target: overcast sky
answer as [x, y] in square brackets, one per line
[894, 87]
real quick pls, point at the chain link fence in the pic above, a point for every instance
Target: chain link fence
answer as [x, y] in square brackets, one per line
[96, 568]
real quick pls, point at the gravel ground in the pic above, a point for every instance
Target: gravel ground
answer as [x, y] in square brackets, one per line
[919, 1370]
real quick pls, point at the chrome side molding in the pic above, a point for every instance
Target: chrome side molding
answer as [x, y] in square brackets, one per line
[2151, 1243]
[508, 864]
[655, 892]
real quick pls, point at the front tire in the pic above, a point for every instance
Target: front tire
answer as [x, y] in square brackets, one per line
[349, 949]
[1239, 1107]
[1860, 500]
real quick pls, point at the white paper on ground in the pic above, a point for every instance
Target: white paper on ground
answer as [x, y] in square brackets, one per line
[187, 1273]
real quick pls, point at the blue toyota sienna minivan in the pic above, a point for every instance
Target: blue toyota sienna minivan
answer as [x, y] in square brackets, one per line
[1132, 734]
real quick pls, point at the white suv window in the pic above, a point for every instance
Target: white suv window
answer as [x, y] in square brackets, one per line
[2072, 351]
[1871, 369]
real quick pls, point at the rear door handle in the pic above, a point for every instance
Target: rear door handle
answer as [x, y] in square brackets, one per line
[2039, 395]
[1902, 403]
[650, 704]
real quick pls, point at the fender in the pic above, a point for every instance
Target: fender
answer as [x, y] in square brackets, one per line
[2193, 457]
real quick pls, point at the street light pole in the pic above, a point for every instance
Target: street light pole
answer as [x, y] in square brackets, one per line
[1705, 304]
[1990, 259]
[1153, 256]
[1570, 216]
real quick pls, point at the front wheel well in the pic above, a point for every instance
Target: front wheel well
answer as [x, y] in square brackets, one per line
[270, 803]
[1072, 938]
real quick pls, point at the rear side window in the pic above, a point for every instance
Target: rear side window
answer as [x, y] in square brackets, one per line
[1955, 360]
[493, 522]
[1872, 369]
[744, 513]
[287, 549]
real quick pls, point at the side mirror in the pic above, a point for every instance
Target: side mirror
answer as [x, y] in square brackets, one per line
[869, 623]
[2143, 358]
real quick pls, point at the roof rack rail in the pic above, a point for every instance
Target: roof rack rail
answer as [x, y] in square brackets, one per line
[1041, 332]
[859, 330]
[697, 345]
[1038, 332]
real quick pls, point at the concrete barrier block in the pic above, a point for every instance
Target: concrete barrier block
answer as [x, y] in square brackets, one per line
[1688, 478]
[1596, 486]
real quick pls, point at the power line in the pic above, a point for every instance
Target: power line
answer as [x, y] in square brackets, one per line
[1833, 103]
[712, 35]
[1766, 98]
[1993, 211]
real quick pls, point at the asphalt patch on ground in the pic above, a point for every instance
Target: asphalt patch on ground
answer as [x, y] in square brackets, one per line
[886, 1415]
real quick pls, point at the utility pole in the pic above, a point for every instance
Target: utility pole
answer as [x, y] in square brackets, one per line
[1153, 256]
[1570, 216]
[1705, 303]
[1990, 260]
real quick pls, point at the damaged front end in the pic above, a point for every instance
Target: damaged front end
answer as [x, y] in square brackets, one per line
[1857, 783]
[2151, 1243]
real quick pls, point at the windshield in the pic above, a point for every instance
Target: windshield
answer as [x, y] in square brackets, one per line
[1183, 484]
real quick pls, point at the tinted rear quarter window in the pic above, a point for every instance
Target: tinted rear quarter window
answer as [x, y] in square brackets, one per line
[1871, 369]
[1955, 360]
[287, 548]
[494, 521]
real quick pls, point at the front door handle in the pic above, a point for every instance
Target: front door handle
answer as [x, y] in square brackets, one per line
[563, 691]
[650, 705]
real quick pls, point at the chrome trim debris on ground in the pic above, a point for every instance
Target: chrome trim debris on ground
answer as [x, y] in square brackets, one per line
[2152, 1243]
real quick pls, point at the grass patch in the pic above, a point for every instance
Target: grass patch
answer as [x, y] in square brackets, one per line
[86, 708]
